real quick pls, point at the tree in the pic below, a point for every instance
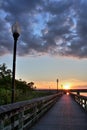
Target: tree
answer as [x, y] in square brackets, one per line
[31, 85]
[5, 75]
[4, 72]
[5, 84]
[23, 89]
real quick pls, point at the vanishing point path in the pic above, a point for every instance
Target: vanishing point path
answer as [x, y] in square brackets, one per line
[66, 114]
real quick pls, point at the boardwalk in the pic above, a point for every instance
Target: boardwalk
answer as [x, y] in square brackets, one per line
[64, 115]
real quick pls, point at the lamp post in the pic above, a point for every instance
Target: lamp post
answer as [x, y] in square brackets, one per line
[16, 33]
[57, 84]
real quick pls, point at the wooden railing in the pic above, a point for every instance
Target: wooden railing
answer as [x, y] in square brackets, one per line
[81, 100]
[19, 116]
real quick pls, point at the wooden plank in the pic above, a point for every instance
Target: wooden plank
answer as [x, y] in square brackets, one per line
[65, 115]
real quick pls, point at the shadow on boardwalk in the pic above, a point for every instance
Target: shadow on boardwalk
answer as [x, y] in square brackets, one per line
[64, 115]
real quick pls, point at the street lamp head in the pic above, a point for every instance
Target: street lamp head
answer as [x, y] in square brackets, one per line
[16, 30]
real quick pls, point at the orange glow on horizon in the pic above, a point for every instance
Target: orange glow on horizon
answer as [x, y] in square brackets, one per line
[67, 86]
[45, 85]
[72, 84]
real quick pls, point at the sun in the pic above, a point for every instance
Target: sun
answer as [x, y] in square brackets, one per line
[66, 86]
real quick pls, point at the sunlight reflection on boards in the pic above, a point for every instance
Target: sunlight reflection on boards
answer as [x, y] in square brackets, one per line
[67, 93]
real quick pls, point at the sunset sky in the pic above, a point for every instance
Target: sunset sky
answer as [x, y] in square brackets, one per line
[52, 43]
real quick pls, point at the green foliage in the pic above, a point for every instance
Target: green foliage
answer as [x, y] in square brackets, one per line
[5, 96]
[23, 90]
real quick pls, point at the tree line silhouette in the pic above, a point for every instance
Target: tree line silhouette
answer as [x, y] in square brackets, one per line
[22, 88]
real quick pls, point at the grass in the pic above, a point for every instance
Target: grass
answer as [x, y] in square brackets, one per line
[5, 95]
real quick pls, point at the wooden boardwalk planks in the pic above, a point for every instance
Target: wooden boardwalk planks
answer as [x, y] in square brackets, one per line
[66, 114]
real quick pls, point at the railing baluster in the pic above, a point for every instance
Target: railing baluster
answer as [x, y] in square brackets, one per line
[86, 105]
[12, 123]
[1, 124]
[21, 116]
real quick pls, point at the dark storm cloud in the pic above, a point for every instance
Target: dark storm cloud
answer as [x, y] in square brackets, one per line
[56, 27]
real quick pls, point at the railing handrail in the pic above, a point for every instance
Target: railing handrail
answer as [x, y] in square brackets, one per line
[81, 100]
[81, 96]
[22, 114]
[17, 105]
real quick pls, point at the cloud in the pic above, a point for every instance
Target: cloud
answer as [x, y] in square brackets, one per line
[54, 27]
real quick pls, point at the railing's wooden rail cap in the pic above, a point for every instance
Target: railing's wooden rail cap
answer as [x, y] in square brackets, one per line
[18, 105]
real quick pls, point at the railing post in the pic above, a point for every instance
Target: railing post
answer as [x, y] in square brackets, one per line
[78, 93]
[1, 124]
[21, 116]
[36, 110]
[12, 123]
[85, 104]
